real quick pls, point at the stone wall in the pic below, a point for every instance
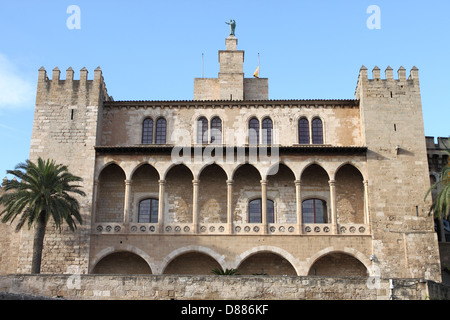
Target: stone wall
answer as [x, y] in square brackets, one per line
[9, 245]
[65, 129]
[122, 121]
[404, 241]
[77, 287]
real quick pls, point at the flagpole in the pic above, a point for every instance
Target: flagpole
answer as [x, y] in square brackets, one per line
[202, 64]
[259, 69]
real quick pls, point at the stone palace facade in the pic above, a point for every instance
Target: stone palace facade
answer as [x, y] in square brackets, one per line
[232, 179]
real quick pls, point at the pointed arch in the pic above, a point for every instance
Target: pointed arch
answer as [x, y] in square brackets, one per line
[179, 190]
[353, 164]
[350, 195]
[140, 165]
[212, 199]
[110, 194]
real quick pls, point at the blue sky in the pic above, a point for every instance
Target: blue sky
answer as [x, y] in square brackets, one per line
[152, 50]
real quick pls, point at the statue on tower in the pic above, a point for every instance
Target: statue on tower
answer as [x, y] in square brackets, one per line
[232, 25]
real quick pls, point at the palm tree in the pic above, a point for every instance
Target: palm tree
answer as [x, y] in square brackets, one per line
[37, 193]
[441, 203]
[226, 272]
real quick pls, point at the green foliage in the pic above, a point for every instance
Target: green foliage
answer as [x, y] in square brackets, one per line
[441, 204]
[226, 272]
[42, 188]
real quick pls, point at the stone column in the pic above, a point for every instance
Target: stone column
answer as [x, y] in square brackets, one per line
[264, 205]
[229, 206]
[299, 206]
[161, 205]
[195, 184]
[94, 201]
[332, 184]
[366, 203]
[126, 211]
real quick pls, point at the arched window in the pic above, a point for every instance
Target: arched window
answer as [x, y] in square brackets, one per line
[253, 131]
[161, 127]
[303, 131]
[148, 211]
[255, 211]
[147, 131]
[216, 130]
[317, 131]
[267, 128]
[314, 211]
[202, 130]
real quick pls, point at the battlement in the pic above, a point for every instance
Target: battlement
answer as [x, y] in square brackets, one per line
[389, 74]
[376, 82]
[56, 84]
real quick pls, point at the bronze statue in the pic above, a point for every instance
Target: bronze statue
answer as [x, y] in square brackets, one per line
[232, 25]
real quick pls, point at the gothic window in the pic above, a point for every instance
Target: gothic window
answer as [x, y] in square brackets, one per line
[161, 127]
[216, 130]
[303, 131]
[267, 128]
[147, 131]
[317, 131]
[253, 131]
[255, 211]
[314, 211]
[148, 211]
[202, 130]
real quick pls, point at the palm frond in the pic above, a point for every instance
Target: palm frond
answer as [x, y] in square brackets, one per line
[42, 187]
[441, 204]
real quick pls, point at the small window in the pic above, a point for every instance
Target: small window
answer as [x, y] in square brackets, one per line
[255, 211]
[267, 129]
[253, 131]
[161, 127]
[148, 211]
[303, 131]
[202, 130]
[317, 131]
[147, 131]
[314, 211]
[216, 130]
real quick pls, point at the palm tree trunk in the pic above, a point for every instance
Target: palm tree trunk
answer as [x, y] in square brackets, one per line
[38, 244]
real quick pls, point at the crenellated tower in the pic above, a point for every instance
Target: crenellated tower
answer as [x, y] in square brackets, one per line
[66, 124]
[392, 129]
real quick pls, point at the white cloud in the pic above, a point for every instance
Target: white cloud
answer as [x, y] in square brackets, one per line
[16, 91]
